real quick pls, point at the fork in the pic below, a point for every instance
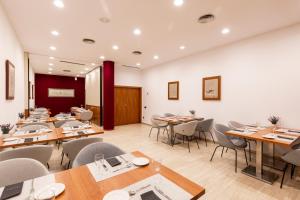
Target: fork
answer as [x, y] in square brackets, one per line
[133, 192]
[162, 193]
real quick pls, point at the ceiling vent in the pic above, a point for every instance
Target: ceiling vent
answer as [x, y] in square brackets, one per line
[130, 66]
[73, 63]
[137, 53]
[88, 41]
[66, 70]
[206, 18]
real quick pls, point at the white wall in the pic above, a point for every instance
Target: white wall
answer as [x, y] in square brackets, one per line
[92, 88]
[127, 76]
[11, 49]
[260, 77]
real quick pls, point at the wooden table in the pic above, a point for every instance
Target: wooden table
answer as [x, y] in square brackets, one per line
[47, 120]
[175, 120]
[55, 135]
[80, 184]
[257, 171]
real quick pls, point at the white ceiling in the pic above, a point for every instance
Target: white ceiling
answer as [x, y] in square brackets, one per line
[164, 28]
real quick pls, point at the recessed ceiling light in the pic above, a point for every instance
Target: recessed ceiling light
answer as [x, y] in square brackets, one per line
[178, 3]
[104, 20]
[87, 69]
[102, 57]
[77, 75]
[155, 57]
[50, 69]
[137, 31]
[115, 47]
[182, 47]
[51, 58]
[138, 64]
[55, 33]
[53, 48]
[50, 64]
[93, 64]
[225, 31]
[59, 3]
[81, 72]
[49, 72]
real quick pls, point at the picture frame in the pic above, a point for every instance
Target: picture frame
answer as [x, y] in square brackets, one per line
[10, 80]
[61, 93]
[211, 88]
[173, 90]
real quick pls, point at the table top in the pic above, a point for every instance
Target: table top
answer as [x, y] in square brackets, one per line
[55, 135]
[178, 119]
[80, 183]
[48, 120]
[259, 137]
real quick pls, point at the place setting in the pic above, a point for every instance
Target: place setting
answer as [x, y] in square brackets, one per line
[274, 136]
[246, 131]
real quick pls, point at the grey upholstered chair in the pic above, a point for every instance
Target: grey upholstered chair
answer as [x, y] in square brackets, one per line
[33, 127]
[235, 125]
[231, 143]
[19, 170]
[293, 158]
[87, 154]
[73, 147]
[186, 130]
[41, 153]
[169, 115]
[86, 116]
[158, 124]
[205, 127]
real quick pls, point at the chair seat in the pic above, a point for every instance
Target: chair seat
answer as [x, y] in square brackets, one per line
[239, 142]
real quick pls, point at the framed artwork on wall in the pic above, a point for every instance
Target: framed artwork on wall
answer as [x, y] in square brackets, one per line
[10, 80]
[173, 90]
[211, 88]
[32, 91]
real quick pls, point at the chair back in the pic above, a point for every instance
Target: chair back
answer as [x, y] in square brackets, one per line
[87, 154]
[156, 123]
[41, 153]
[73, 147]
[205, 125]
[72, 123]
[86, 116]
[235, 125]
[293, 157]
[222, 139]
[30, 127]
[187, 129]
[20, 169]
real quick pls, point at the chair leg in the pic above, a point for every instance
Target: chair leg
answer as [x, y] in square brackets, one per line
[48, 166]
[226, 150]
[157, 134]
[167, 133]
[222, 152]
[150, 131]
[188, 140]
[214, 152]
[197, 142]
[293, 171]
[212, 137]
[62, 158]
[284, 170]
[182, 139]
[205, 138]
[249, 150]
[246, 157]
[58, 144]
[69, 163]
[235, 160]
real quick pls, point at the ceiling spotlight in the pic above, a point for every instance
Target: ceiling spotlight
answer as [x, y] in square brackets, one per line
[59, 3]
[50, 69]
[156, 57]
[115, 47]
[87, 69]
[93, 64]
[53, 48]
[138, 64]
[51, 58]
[225, 31]
[178, 3]
[55, 33]
[182, 47]
[50, 64]
[102, 57]
[137, 31]
[104, 20]
[49, 72]
[77, 75]
[81, 72]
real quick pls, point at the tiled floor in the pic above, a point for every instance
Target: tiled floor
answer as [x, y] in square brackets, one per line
[217, 177]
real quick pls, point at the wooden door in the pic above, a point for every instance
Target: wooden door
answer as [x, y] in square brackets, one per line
[127, 105]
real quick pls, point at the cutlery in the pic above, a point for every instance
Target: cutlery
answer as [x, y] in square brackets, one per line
[162, 193]
[105, 167]
[282, 137]
[127, 166]
[133, 192]
[31, 193]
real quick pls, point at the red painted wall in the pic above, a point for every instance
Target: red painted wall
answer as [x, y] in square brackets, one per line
[58, 104]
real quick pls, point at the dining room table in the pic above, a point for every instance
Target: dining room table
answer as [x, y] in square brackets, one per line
[264, 135]
[173, 121]
[81, 184]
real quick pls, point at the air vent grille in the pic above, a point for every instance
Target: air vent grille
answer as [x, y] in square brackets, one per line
[73, 63]
[206, 18]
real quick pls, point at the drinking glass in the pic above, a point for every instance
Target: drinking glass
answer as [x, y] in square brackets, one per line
[99, 160]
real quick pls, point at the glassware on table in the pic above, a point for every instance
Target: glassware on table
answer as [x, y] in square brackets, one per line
[99, 161]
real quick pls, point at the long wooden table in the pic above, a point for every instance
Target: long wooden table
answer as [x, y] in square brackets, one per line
[56, 135]
[257, 171]
[80, 184]
[47, 120]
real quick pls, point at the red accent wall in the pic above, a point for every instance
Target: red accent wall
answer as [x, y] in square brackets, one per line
[108, 95]
[58, 104]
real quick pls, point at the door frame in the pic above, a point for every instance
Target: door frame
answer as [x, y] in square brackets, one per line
[140, 99]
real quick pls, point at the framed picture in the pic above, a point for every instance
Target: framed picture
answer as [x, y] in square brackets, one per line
[10, 80]
[173, 90]
[32, 92]
[211, 88]
[55, 92]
